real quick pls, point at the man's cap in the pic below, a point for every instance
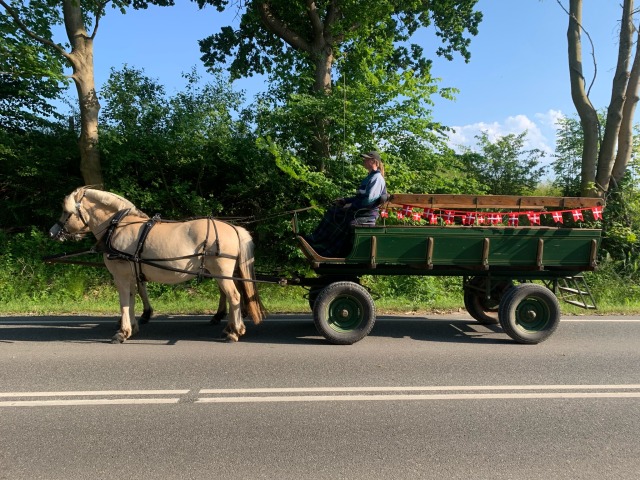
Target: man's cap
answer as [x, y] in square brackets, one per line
[373, 154]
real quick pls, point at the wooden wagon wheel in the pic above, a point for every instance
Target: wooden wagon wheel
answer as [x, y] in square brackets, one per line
[529, 313]
[483, 309]
[344, 312]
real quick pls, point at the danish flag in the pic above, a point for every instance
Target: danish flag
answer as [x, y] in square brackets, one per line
[399, 215]
[494, 218]
[557, 217]
[427, 214]
[470, 218]
[597, 213]
[513, 219]
[433, 220]
[480, 219]
[577, 215]
[534, 218]
[416, 216]
[449, 217]
[407, 210]
[384, 213]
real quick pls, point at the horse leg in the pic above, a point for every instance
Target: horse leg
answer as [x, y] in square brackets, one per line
[222, 309]
[235, 326]
[128, 324]
[147, 311]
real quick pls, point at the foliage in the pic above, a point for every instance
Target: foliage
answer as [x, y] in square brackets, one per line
[382, 83]
[37, 169]
[177, 149]
[568, 156]
[504, 166]
[256, 49]
[31, 75]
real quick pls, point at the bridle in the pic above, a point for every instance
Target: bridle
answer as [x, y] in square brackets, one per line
[62, 225]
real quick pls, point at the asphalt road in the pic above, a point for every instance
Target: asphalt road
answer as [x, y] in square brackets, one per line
[438, 397]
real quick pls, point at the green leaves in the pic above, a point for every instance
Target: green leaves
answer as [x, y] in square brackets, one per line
[504, 166]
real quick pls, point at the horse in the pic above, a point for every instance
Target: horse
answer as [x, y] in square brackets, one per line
[137, 249]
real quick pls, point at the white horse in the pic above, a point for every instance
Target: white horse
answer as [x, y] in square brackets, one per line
[139, 249]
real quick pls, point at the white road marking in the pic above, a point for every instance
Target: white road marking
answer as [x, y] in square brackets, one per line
[309, 394]
[468, 396]
[76, 402]
[430, 388]
[94, 393]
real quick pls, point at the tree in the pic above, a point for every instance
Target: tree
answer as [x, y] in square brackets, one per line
[504, 166]
[77, 16]
[31, 76]
[298, 44]
[605, 155]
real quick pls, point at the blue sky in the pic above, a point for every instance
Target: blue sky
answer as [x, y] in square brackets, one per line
[517, 78]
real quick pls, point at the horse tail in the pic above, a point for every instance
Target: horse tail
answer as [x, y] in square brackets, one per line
[248, 288]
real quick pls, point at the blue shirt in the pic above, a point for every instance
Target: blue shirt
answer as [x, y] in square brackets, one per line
[369, 191]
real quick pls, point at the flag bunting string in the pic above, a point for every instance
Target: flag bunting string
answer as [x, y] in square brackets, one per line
[512, 218]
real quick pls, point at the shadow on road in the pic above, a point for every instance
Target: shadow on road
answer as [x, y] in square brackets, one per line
[278, 329]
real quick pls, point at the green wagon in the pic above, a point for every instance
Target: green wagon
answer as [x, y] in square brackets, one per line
[498, 262]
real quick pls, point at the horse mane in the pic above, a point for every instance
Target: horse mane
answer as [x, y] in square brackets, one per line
[112, 200]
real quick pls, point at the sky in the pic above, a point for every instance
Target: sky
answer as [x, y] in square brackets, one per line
[517, 78]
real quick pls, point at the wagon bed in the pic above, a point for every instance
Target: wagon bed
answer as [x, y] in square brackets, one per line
[491, 259]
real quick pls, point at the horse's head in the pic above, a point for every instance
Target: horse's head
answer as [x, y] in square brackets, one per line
[82, 206]
[73, 223]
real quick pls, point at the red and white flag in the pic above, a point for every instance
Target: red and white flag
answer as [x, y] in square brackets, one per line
[407, 210]
[513, 219]
[469, 218]
[384, 213]
[534, 218]
[449, 216]
[494, 218]
[577, 215]
[416, 216]
[557, 217]
[597, 213]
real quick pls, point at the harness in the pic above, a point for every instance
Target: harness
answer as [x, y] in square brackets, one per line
[105, 246]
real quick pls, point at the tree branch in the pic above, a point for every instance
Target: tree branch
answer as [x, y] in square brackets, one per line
[279, 29]
[99, 13]
[314, 17]
[593, 49]
[35, 36]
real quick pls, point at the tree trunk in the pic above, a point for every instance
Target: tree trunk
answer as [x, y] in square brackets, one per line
[607, 154]
[81, 59]
[320, 48]
[322, 86]
[625, 137]
[588, 115]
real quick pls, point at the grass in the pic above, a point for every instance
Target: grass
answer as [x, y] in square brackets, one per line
[189, 299]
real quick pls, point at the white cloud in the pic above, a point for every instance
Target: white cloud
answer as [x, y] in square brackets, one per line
[541, 132]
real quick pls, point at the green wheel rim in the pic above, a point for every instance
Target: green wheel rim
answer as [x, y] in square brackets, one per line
[532, 314]
[345, 314]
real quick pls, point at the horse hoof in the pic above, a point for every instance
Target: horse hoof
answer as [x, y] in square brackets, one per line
[118, 338]
[146, 316]
[232, 338]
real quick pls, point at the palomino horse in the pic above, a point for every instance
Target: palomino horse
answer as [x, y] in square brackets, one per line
[139, 249]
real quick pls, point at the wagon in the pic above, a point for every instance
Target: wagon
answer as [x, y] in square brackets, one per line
[513, 268]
